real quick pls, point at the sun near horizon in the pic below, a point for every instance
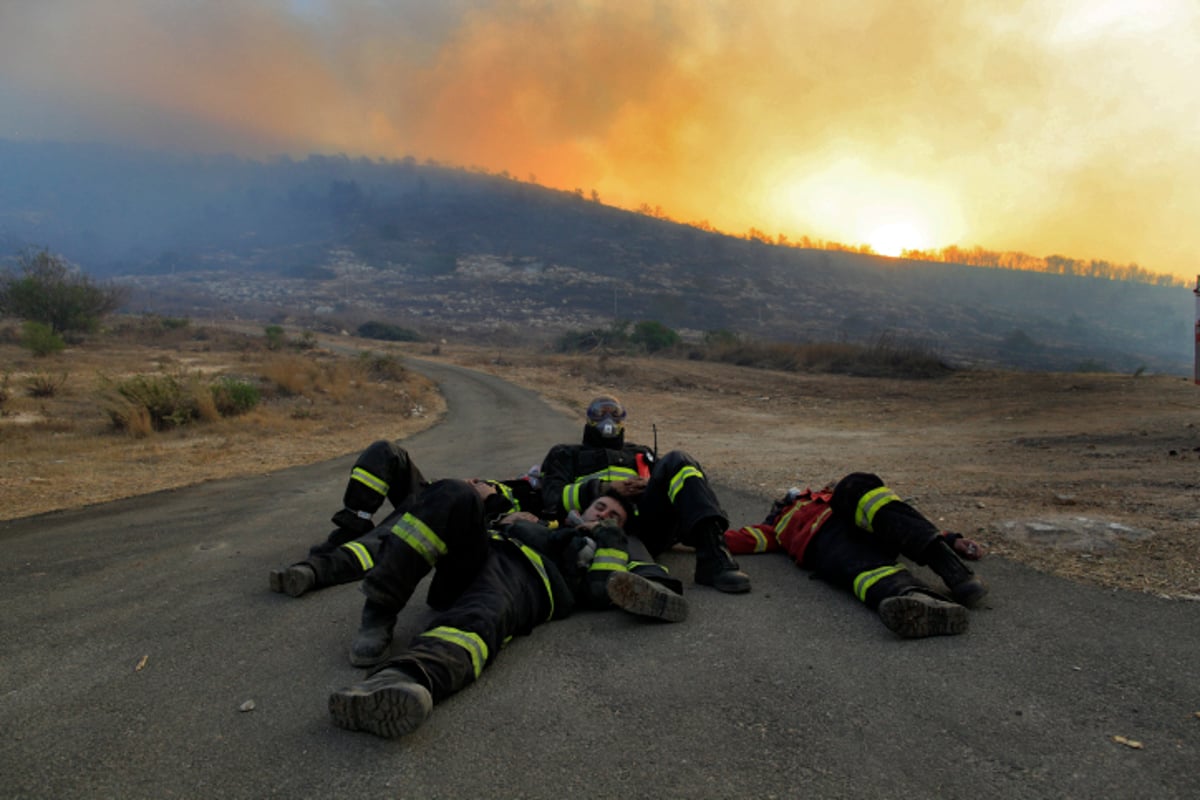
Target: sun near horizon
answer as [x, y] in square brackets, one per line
[895, 238]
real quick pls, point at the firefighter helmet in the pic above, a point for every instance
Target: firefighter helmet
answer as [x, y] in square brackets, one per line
[607, 416]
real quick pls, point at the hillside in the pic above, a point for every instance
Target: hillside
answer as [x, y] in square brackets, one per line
[329, 242]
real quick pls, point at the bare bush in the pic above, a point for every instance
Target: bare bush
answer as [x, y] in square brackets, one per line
[886, 357]
[291, 375]
[43, 384]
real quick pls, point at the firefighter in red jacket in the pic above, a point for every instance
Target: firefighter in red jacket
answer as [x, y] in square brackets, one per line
[674, 502]
[852, 534]
[384, 471]
[491, 582]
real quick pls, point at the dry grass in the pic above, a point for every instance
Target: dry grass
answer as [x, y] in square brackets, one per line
[63, 450]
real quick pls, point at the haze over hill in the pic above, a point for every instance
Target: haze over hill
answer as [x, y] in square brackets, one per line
[330, 242]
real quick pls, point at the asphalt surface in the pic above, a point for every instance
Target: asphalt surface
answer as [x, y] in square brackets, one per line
[135, 636]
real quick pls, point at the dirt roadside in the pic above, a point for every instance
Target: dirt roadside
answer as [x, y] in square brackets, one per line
[1088, 476]
[1093, 477]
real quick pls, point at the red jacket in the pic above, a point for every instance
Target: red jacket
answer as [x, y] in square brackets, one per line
[790, 529]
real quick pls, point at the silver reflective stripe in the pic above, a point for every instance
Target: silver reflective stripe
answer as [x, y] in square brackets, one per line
[865, 580]
[869, 505]
[570, 497]
[760, 539]
[536, 560]
[361, 553]
[370, 481]
[680, 477]
[611, 559]
[471, 642]
[420, 537]
[614, 473]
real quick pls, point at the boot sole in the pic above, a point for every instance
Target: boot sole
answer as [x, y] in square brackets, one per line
[645, 598]
[387, 711]
[915, 617]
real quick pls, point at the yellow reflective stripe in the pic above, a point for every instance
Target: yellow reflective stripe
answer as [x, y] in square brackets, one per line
[536, 560]
[471, 642]
[866, 580]
[570, 497]
[372, 482]
[760, 538]
[506, 491]
[611, 473]
[611, 559]
[681, 476]
[361, 553]
[782, 522]
[571, 492]
[635, 564]
[869, 505]
[420, 537]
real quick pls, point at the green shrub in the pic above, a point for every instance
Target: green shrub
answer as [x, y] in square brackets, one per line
[721, 337]
[387, 333]
[40, 339]
[275, 337]
[140, 404]
[233, 396]
[50, 290]
[614, 337]
[653, 336]
[164, 400]
[381, 367]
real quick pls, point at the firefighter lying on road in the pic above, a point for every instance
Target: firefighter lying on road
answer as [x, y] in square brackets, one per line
[852, 534]
[383, 471]
[673, 498]
[490, 583]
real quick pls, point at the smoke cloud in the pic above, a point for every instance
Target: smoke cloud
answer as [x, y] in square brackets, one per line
[1066, 127]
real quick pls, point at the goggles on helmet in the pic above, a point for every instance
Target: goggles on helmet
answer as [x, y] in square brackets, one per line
[607, 416]
[605, 407]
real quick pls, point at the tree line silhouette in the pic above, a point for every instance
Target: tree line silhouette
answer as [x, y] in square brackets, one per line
[977, 257]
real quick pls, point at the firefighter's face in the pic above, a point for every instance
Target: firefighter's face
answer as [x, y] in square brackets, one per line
[604, 508]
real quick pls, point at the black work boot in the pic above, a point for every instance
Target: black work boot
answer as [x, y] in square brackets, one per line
[293, 581]
[715, 565]
[964, 585]
[374, 636]
[388, 704]
[645, 598]
[917, 614]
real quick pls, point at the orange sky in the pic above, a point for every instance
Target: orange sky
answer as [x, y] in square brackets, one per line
[1065, 127]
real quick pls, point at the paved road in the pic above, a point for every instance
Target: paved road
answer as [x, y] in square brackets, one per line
[791, 691]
